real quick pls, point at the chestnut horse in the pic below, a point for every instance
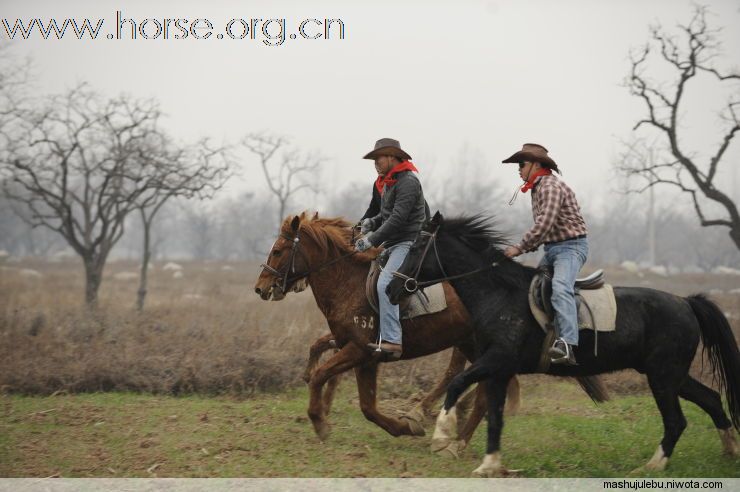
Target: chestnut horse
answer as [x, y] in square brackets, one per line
[319, 252]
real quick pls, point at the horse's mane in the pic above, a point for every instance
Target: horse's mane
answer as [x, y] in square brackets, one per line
[481, 234]
[477, 231]
[332, 235]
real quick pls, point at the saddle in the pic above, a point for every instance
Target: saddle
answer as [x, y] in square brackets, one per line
[427, 301]
[595, 301]
[541, 288]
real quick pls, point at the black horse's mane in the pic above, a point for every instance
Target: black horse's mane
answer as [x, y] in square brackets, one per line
[481, 234]
[477, 231]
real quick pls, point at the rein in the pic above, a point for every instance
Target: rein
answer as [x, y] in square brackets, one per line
[411, 284]
[290, 267]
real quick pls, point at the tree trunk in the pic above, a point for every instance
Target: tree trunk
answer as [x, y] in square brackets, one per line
[281, 210]
[93, 277]
[735, 235]
[146, 254]
[651, 227]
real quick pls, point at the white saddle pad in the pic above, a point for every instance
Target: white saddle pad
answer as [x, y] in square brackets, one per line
[431, 300]
[597, 310]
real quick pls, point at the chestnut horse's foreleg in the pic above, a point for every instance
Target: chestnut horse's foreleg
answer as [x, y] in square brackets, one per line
[455, 367]
[317, 349]
[348, 357]
[367, 386]
[513, 397]
[425, 407]
[327, 397]
[314, 354]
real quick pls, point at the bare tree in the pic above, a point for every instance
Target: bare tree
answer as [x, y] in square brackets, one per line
[20, 239]
[190, 172]
[74, 162]
[688, 56]
[286, 170]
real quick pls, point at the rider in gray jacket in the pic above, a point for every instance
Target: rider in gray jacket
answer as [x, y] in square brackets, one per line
[402, 213]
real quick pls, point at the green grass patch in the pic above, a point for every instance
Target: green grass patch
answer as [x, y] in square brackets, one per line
[558, 433]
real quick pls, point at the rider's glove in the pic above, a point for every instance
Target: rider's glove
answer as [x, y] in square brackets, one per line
[366, 225]
[363, 243]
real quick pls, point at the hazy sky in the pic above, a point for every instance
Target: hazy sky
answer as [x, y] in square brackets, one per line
[435, 75]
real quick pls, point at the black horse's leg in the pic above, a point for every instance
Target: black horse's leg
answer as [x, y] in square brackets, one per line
[478, 371]
[446, 425]
[496, 399]
[710, 401]
[674, 422]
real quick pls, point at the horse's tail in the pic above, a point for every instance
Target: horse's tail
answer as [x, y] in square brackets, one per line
[594, 387]
[722, 350]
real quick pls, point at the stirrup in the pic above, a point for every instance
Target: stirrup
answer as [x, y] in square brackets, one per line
[555, 352]
[568, 359]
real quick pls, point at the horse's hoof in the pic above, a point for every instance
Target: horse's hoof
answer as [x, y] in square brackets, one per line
[416, 414]
[439, 444]
[414, 426]
[492, 468]
[658, 462]
[484, 471]
[656, 466]
[323, 430]
[451, 450]
[496, 473]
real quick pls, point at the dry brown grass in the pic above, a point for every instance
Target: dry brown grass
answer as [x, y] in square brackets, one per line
[206, 332]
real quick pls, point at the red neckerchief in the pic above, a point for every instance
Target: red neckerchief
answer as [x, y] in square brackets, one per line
[529, 184]
[388, 180]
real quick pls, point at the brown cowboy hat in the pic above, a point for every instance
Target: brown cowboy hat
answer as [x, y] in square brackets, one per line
[534, 153]
[387, 146]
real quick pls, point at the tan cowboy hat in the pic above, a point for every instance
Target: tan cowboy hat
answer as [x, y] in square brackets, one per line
[387, 146]
[534, 153]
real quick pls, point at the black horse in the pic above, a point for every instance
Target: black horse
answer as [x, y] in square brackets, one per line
[657, 334]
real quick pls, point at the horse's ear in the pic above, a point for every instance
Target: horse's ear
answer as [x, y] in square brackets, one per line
[295, 223]
[438, 218]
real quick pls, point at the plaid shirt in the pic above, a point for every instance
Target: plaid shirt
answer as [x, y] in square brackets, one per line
[556, 213]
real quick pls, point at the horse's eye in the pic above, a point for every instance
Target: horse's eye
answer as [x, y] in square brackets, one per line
[276, 252]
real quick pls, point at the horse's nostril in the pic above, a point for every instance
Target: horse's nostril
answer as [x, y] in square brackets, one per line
[258, 291]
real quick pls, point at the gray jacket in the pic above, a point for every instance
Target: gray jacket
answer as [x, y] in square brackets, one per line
[403, 211]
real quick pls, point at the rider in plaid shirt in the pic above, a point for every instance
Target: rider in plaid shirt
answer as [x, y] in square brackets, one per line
[559, 225]
[557, 216]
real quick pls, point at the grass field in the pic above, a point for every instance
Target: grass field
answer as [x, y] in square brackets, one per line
[558, 433]
[206, 382]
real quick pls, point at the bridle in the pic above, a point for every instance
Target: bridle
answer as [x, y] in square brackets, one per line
[282, 275]
[411, 284]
